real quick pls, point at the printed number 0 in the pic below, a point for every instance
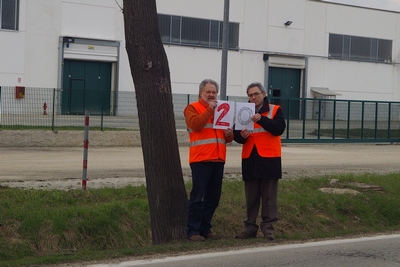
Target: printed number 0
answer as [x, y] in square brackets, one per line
[225, 110]
[244, 116]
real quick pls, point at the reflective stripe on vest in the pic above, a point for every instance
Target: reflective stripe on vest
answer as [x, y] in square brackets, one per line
[271, 111]
[208, 125]
[268, 145]
[207, 141]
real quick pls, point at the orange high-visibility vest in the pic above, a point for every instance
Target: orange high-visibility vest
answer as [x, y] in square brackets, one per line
[207, 145]
[268, 145]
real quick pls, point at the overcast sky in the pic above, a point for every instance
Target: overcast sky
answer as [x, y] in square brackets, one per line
[393, 5]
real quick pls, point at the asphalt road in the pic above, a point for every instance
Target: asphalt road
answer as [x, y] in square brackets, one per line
[357, 252]
[118, 166]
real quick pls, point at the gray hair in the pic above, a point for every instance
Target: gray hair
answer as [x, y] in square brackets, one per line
[206, 81]
[256, 84]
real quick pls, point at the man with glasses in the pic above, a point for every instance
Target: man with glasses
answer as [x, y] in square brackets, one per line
[261, 163]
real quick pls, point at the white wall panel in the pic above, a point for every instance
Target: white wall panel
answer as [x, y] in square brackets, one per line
[12, 53]
[316, 75]
[280, 11]
[253, 30]
[361, 22]
[103, 3]
[315, 37]
[252, 70]
[89, 21]
[369, 82]
[287, 41]
[41, 43]
[207, 9]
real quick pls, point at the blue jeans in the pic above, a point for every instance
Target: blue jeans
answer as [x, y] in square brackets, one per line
[204, 197]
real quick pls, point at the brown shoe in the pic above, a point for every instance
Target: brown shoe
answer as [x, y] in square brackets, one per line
[196, 238]
[246, 235]
[212, 236]
[269, 236]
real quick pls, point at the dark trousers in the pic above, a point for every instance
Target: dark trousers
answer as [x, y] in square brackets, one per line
[204, 196]
[266, 192]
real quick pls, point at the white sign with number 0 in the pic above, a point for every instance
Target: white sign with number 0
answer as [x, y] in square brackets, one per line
[244, 112]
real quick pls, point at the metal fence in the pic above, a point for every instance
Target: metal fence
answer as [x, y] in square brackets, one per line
[309, 120]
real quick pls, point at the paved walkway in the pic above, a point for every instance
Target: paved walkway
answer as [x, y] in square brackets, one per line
[118, 166]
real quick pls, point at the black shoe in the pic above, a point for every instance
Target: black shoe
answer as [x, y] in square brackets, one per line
[212, 236]
[269, 236]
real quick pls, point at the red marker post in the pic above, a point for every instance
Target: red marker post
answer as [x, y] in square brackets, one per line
[85, 150]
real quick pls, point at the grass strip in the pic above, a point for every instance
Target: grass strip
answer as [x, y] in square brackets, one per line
[39, 227]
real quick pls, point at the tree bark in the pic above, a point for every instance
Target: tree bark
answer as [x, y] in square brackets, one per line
[150, 72]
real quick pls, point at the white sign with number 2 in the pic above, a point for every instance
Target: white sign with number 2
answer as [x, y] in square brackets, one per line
[223, 115]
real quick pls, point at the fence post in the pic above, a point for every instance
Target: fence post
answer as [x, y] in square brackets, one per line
[101, 119]
[0, 105]
[348, 119]
[52, 112]
[334, 120]
[319, 118]
[389, 118]
[85, 150]
[376, 119]
[362, 119]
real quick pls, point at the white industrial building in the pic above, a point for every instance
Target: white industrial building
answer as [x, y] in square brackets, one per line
[297, 48]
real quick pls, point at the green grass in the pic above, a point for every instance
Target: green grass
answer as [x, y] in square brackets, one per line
[40, 227]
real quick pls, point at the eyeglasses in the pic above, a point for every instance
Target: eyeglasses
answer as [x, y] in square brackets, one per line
[254, 94]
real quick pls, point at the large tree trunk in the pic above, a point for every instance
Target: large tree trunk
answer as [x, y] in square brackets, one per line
[150, 72]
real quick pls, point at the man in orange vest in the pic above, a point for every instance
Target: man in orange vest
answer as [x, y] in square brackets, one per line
[261, 163]
[207, 154]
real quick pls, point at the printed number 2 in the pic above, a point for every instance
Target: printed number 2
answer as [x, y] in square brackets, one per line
[225, 110]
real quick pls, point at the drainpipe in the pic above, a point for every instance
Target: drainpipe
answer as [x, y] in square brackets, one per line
[266, 73]
[225, 40]
[60, 61]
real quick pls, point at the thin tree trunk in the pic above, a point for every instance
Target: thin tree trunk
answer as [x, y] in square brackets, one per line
[150, 72]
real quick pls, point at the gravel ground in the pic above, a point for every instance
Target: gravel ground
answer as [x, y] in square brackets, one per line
[50, 167]
[53, 160]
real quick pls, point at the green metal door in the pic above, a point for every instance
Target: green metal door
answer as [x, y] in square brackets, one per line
[73, 88]
[86, 86]
[98, 87]
[77, 96]
[283, 86]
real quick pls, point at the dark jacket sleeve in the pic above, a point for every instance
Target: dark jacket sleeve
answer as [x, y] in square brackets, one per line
[275, 126]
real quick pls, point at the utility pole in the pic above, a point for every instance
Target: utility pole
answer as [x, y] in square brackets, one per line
[225, 41]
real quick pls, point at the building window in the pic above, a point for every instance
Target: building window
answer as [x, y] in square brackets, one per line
[9, 14]
[360, 48]
[196, 32]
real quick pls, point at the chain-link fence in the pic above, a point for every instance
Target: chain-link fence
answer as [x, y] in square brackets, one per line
[308, 119]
